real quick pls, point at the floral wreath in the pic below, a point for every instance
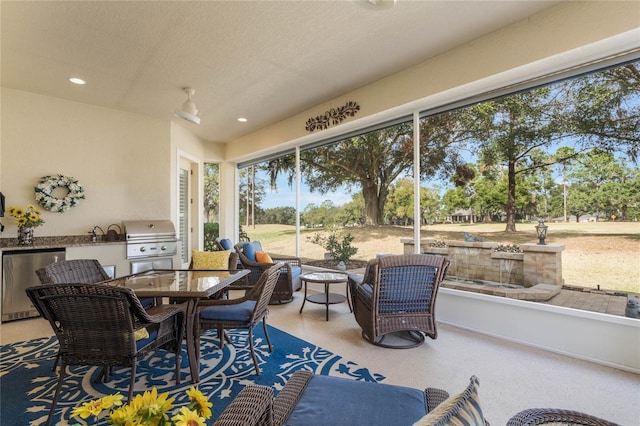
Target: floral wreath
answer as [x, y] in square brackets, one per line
[44, 192]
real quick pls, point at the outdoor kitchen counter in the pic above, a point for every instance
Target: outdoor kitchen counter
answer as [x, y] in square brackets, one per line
[56, 242]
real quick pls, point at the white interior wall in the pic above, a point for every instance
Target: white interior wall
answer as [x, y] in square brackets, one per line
[604, 339]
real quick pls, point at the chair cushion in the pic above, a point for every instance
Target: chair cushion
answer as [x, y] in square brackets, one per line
[365, 293]
[263, 257]
[226, 244]
[147, 302]
[295, 271]
[463, 409]
[210, 259]
[240, 312]
[337, 401]
[144, 342]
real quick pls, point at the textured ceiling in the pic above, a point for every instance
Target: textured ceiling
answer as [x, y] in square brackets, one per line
[263, 60]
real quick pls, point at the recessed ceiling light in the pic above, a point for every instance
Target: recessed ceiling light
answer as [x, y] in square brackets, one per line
[242, 120]
[76, 80]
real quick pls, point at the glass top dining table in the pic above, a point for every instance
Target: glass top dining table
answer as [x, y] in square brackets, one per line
[190, 285]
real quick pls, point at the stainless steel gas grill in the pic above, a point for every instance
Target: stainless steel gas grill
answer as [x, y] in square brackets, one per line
[151, 244]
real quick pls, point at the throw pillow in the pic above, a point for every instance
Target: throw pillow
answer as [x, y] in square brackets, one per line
[210, 259]
[226, 244]
[249, 250]
[143, 333]
[263, 257]
[463, 409]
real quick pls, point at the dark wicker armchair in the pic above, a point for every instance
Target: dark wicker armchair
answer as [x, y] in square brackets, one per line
[397, 295]
[245, 312]
[538, 416]
[289, 280]
[95, 325]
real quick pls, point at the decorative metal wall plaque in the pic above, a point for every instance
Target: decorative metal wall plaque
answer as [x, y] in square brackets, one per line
[332, 117]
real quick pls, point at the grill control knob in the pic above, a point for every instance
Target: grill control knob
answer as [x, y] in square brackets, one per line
[163, 248]
[143, 249]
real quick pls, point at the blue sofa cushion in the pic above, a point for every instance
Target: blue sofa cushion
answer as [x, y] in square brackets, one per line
[337, 401]
[240, 312]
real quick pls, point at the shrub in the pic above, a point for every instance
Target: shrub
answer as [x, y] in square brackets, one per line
[211, 232]
[508, 248]
[339, 249]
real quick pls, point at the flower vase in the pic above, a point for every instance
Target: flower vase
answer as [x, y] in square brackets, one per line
[25, 236]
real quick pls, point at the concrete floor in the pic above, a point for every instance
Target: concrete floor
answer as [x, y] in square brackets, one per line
[513, 377]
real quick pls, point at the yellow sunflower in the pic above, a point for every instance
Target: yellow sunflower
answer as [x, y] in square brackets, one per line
[126, 415]
[187, 417]
[91, 408]
[20, 221]
[199, 402]
[16, 211]
[153, 406]
[112, 400]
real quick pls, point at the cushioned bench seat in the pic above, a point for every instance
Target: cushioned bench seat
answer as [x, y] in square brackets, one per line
[308, 399]
[333, 401]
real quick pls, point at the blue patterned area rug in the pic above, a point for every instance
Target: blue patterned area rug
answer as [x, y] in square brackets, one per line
[27, 383]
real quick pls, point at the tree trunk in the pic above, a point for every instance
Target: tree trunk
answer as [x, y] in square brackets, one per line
[373, 204]
[511, 198]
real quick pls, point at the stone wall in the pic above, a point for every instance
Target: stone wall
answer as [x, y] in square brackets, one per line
[537, 264]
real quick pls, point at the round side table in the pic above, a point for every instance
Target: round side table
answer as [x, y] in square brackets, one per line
[326, 298]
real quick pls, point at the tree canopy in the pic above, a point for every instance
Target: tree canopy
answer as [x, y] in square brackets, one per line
[516, 140]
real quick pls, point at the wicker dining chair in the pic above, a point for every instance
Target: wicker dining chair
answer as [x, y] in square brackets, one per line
[85, 271]
[244, 312]
[95, 325]
[397, 295]
[540, 416]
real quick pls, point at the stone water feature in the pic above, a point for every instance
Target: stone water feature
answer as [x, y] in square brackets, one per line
[534, 274]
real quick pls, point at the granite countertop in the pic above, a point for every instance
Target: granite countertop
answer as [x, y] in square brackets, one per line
[55, 242]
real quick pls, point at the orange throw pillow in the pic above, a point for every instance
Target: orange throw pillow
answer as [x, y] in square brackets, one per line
[262, 257]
